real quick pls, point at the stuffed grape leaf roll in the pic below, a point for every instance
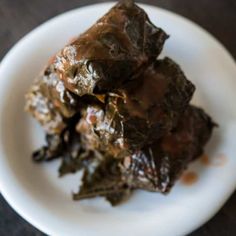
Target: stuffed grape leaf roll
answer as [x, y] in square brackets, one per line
[158, 166]
[115, 49]
[50, 102]
[155, 167]
[141, 113]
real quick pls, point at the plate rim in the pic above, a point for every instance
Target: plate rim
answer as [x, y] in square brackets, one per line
[3, 189]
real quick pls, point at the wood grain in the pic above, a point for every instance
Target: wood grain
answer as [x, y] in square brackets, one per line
[18, 17]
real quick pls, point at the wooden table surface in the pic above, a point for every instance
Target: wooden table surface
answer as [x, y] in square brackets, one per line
[18, 17]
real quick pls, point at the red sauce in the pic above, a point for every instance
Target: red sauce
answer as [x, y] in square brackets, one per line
[217, 161]
[205, 160]
[92, 119]
[189, 178]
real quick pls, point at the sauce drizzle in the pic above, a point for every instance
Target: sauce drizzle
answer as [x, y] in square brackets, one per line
[217, 161]
[189, 178]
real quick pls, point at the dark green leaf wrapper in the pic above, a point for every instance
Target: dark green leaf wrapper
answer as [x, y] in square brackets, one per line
[158, 166]
[115, 49]
[104, 181]
[140, 114]
[112, 109]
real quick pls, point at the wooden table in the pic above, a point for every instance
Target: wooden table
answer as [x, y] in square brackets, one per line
[18, 17]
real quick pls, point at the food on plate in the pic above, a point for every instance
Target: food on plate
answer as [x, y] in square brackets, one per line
[112, 108]
[139, 114]
[155, 167]
[50, 102]
[113, 51]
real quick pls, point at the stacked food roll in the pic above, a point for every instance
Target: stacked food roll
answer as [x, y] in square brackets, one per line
[109, 106]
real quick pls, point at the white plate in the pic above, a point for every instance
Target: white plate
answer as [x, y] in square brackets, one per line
[36, 192]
